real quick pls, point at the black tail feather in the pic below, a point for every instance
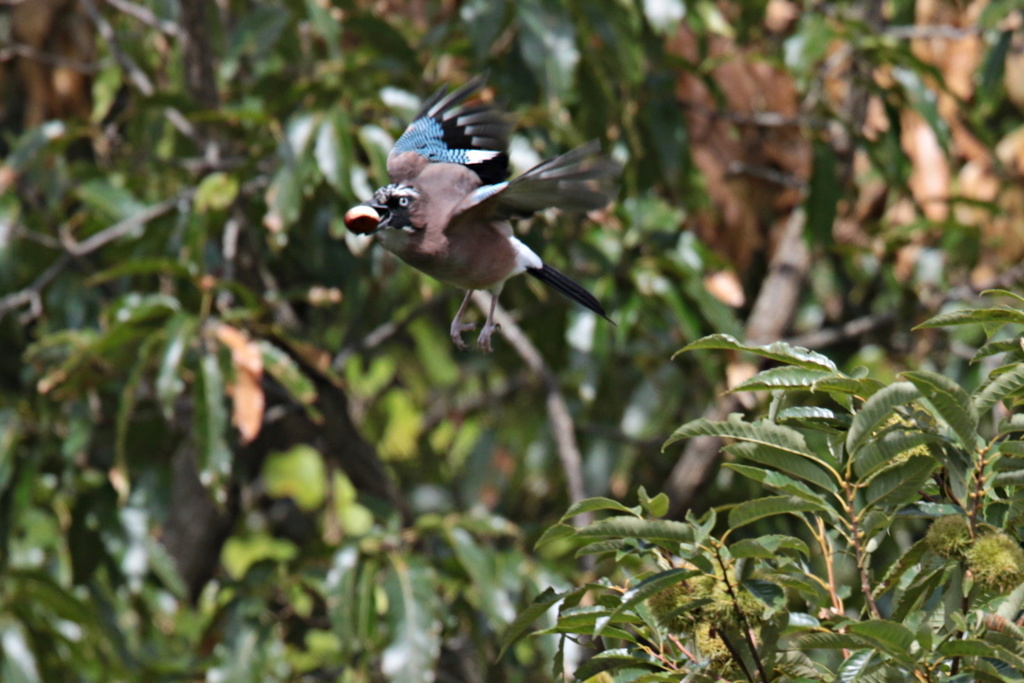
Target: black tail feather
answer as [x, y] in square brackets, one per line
[562, 284]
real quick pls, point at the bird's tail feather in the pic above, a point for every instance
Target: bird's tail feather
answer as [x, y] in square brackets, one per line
[562, 284]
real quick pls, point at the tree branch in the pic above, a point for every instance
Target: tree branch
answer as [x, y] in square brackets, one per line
[562, 427]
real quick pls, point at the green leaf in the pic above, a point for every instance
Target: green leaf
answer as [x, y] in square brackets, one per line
[553, 533]
[211, 426]
[299, 474]
[415, 616]
[735, 427]
[612, 660]
[143, 266]
[777, 351]
[801, 468]
[216, 192]
[888, 636]
[1009, 382]
[768, 546]
[995, 347]
[115, 202]
[481, 567]
[644, 590]
[975, 316]
[594, 504]
[753, 510]
[18, 664]
[633, 527]
[786, 377]
[876, 411]
[900, 483]
[285, 370]
[882, 451]
[547, 42]
[951, 403]
[654, 507]
[540, 605]
[968, 647]
[776, 481]
[179, 331]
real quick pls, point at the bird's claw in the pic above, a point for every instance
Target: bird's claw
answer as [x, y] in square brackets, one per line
[456, 331]
[484, 340]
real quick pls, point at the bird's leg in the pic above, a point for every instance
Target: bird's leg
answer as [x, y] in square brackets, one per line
[458, 327]
[484, 340]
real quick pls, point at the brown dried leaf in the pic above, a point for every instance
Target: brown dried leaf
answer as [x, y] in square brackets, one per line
[725, 286]
[930, 178]
[245, 389]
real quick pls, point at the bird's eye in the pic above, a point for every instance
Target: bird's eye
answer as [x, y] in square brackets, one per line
[403, 201]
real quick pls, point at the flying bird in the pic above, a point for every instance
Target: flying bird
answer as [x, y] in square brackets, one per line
[447, 208]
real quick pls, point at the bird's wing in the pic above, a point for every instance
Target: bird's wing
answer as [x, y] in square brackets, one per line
[575, 181]
[446, 132]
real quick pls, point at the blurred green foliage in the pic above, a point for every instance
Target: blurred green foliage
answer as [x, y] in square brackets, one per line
[236, 444]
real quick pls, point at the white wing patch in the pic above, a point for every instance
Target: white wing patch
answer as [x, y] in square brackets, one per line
[476, 156]
[525, 257]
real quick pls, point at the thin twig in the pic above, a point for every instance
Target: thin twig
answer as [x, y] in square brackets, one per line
[28, 52]
[146, 16]
[851, 329]
[135, 74]
[562, 427]
[31, 296]
[126, 227]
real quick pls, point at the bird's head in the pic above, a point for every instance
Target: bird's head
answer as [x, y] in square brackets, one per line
[391, 207]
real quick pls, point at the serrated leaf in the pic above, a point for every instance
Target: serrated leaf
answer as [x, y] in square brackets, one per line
[951, 402]
[998, 346]
[804, 468]
[890, 637]
[611, 660]
[644, 590]
[768, 546]
[974, 316]
[876, 411]
[1012, 448]
[633, 527]
[753, 510]
[735, 427]
[777, 481]
[901, 482]
[881, 452]
[830, 640]
[786, 377]
[594, 504]
[1002, 386]
[897, 569]
[777, 351]
[968, 647]
[540, 605]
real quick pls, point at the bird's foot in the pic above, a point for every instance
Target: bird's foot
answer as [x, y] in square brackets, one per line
[458, 327]
[484, 340]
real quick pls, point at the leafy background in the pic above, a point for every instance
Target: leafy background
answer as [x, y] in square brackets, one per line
[235, 441]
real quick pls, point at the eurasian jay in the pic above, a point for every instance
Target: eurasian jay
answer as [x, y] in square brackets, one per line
[447, 209]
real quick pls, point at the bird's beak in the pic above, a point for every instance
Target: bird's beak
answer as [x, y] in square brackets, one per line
[364, 219]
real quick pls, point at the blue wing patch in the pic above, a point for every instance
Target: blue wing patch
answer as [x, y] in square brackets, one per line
[485, 192]
[446, 132]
